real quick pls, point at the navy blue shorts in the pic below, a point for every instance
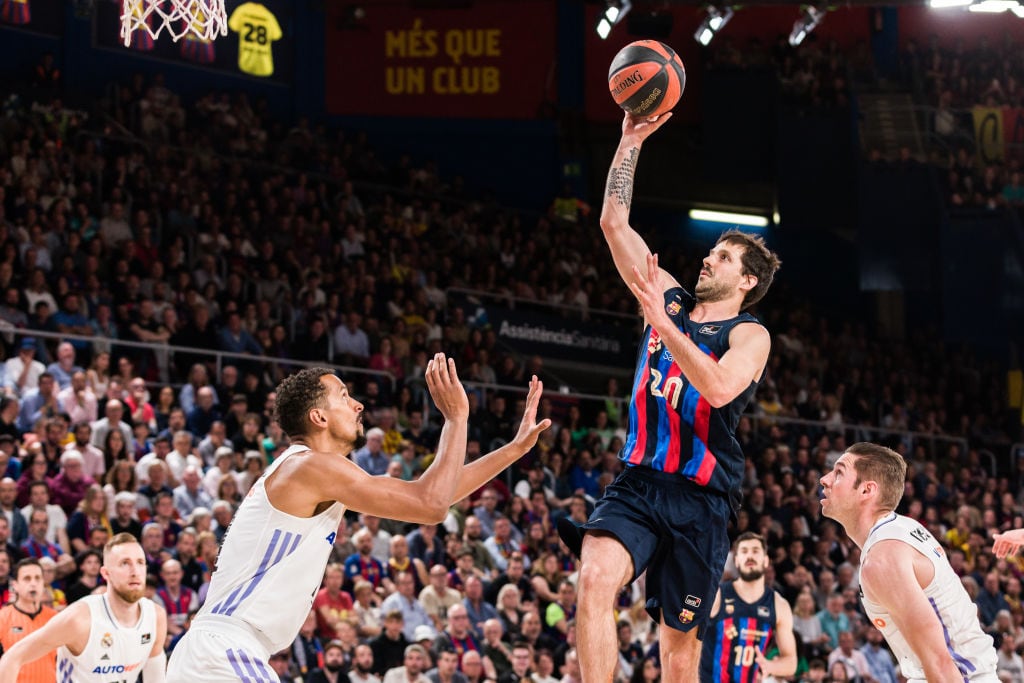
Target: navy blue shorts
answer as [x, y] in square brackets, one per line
[677, 531]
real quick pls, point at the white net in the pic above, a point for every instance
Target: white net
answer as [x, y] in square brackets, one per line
[206, 19]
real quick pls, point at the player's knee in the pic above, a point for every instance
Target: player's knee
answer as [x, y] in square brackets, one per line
[598, 577]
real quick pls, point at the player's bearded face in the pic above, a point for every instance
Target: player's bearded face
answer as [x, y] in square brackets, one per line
[129, 595]
[710, 288]
[751, 573]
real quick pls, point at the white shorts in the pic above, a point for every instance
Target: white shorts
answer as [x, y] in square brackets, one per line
[217, 650]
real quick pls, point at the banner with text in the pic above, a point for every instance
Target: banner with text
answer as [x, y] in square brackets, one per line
[488, 60]
[552, 336]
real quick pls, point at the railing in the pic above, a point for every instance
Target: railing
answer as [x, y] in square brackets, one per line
[514, 302]
[858, 432]
[165, 353]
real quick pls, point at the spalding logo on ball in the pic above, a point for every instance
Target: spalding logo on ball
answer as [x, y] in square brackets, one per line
[646, 78]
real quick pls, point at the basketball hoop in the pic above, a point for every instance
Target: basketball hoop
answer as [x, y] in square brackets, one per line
[206, 19]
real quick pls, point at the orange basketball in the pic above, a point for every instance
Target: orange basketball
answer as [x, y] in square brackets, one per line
[646, 78]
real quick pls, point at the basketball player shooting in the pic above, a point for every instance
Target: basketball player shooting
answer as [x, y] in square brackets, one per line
[698, 366]
[276, 550]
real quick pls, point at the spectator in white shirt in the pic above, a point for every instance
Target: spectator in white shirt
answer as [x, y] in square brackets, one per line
[22, 371]
[78, 400]
[190, 495]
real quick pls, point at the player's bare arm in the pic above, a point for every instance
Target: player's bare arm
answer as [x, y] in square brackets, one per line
[721, 382]
[1008, 543]
[155, 668]
[785, 664]
[885, 579]
[477, 473]
[626, 245]
[300, 483]
[69, 628]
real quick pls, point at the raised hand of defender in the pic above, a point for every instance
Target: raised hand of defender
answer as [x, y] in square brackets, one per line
[1008, 543]
[648, 291]
[446, 390]
[529, 428]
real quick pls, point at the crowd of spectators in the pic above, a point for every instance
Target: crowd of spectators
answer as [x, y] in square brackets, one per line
[815, 74]
[218, 228]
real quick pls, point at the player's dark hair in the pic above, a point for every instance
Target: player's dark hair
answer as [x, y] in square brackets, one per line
[750, 536]
[758, 260]
[882, 465]
[27, 562]
[297, 394]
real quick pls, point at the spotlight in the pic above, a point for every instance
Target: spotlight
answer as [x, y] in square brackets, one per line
[993, 6]
[809, 19]
[612, 15]
[712, 24]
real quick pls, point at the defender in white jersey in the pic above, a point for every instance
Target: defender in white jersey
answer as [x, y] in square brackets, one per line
[276, 550]
[108, 638]
[909, 590]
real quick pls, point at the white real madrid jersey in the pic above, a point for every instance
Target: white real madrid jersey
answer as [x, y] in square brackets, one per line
[114, 653]
[271, 564]
[970, 647]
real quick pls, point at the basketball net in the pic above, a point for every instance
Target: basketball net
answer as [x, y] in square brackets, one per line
[207, 19]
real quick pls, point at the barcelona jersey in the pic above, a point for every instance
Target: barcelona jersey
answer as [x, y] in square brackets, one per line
[672, 427]
[734, 635]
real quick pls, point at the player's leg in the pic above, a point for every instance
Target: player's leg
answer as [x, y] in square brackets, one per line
[606, 566]
[680, 654]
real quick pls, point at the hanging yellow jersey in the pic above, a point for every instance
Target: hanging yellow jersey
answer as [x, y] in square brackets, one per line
[257, 29]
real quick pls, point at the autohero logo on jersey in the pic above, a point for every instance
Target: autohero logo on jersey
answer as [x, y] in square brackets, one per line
[116, 668]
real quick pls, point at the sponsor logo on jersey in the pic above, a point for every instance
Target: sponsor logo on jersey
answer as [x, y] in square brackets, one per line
[673, 308]
[763, 611]
[331, 536]
[731, 632]
[752, 633]
[107, 640]
[880, 623]
[654, 343]
[105, 658]
[709, 329]
[146, 638]
[920, 534]
[115, 668]
[692, 601]
[686, 616]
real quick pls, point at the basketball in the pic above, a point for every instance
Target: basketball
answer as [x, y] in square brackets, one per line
[646, 78]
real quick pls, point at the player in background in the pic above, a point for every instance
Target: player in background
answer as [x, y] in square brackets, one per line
[114, 636]
[746, 618]
[909, 590]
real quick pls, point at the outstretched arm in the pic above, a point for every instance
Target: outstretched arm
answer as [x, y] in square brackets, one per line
[628, 248]
[70, 628]
[424, 501]
[1008, 543]
[477, 473]
[889, 577]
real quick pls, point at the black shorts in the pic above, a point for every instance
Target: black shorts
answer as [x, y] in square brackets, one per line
[677, 531]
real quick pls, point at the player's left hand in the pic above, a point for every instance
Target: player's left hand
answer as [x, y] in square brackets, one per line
[648, 291]
[529, 428]
[760, 660]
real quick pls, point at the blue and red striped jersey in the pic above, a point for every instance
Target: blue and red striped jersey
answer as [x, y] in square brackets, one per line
[734, 634]
[672, 428]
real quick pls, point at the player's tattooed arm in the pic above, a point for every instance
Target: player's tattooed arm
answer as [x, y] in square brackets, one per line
[620, 179]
